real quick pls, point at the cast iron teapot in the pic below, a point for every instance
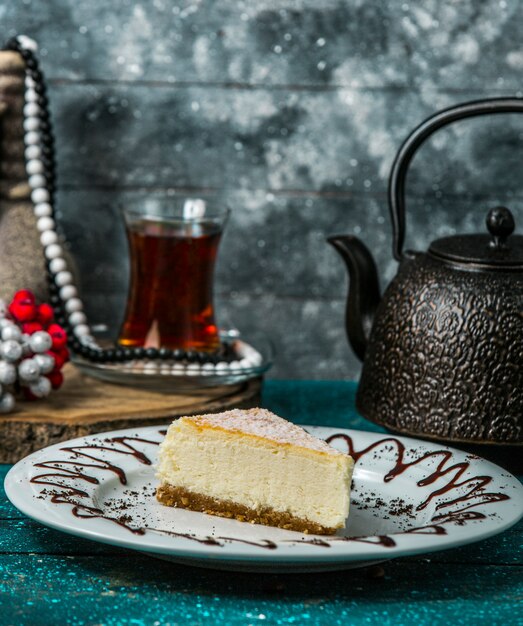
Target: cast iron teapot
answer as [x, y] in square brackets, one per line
[442, 350]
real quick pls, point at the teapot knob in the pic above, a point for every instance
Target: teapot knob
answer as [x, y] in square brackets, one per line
[500, 223]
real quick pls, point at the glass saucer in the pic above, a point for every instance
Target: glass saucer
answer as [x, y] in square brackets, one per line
[255, 357]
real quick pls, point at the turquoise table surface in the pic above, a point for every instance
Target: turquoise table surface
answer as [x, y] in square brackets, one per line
[51, 578]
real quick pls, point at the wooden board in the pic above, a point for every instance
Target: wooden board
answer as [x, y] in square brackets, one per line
[85, 405]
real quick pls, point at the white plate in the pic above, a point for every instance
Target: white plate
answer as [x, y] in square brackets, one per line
[409, 497]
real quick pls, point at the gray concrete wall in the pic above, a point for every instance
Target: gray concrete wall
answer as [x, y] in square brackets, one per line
[290, 112]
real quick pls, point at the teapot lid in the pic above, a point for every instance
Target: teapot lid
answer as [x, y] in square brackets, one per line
[496, 251]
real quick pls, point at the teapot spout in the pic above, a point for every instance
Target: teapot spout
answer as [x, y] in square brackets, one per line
[364, 290]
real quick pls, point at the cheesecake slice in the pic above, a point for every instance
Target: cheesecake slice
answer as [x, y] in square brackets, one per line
[254, 466]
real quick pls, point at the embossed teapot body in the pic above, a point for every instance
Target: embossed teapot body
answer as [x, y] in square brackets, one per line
[443, 347]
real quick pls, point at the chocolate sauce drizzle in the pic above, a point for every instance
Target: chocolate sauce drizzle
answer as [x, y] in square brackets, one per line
[70, 494]
[474, 486]
[65, 477]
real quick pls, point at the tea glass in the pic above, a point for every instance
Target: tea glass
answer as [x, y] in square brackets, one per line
[173, 245]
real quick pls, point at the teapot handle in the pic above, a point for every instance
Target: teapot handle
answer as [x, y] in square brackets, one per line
[409, 147]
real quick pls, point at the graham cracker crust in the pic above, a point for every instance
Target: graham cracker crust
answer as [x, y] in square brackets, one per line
[185, 499]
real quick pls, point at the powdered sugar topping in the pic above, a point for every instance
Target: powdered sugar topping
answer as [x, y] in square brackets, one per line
[263, 423]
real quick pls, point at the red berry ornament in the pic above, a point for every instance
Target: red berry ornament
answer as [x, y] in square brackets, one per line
[58, 335]
[56, 378]
[63, 354]
[60, 357]
[31, 327]
[33, 374]
[23, 309]
[24, 294]
[58, 360]
[45, 314]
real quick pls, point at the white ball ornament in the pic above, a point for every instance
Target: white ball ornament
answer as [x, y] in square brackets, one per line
[41, 388]
[43, 209]
[45, 223]
[63, 278]
[48, 238]
[30, 97]
[53, 251]
[11, 332]
[7, 403]
[39, 195]
[67, 292]
[29, 371]
[31, 123]
[7, 373]
[87, 340]
[82, 330]
[32, 138]
[31, 109]
[57, 265]
[40, 342]
[73, 305]
[45, 362]
[78, 317]
[36, 181]
[256, 358]
[33, 152]
[34, 166]
[27, 42]
[10, 350]
[26, 348]
[29, 82]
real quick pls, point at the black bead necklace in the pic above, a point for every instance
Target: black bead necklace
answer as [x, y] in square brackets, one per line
[41, 169]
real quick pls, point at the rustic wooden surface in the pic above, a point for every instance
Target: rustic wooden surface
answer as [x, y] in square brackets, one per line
[49, 578]
[85, 405]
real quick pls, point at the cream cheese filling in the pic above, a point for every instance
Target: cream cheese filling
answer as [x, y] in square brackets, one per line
[257, 472]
